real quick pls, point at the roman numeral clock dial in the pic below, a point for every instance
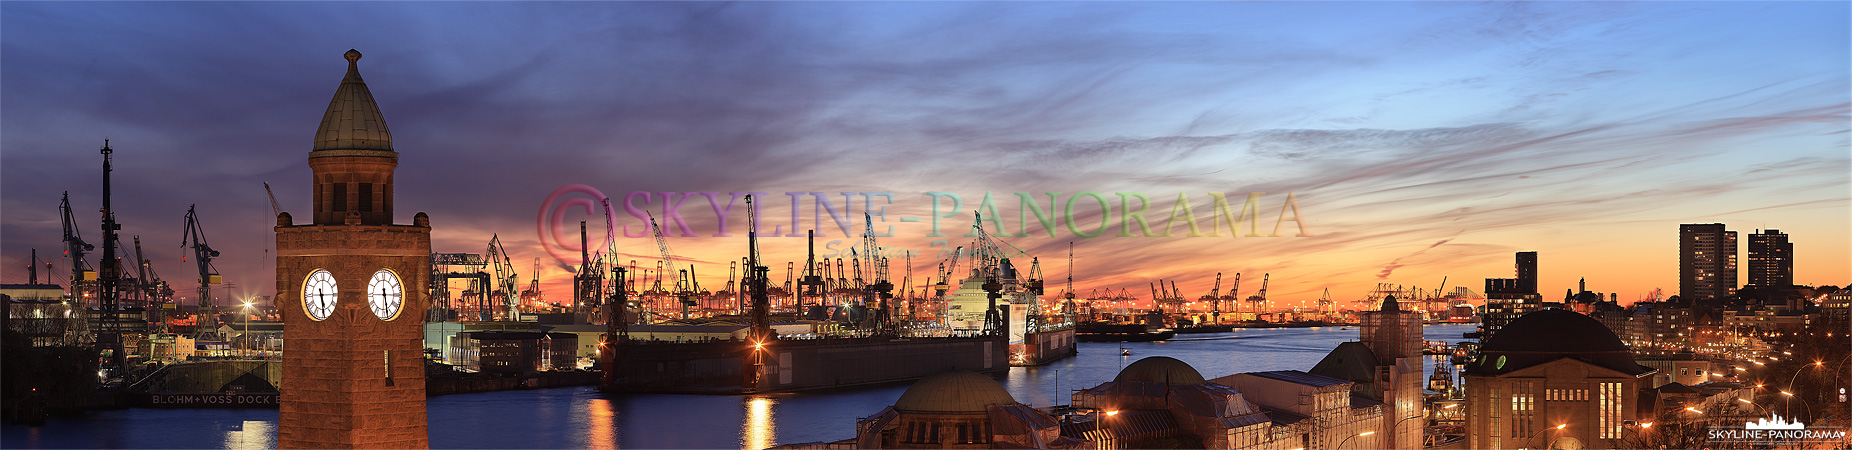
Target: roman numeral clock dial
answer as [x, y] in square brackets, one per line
[318, 294]
[385, 294]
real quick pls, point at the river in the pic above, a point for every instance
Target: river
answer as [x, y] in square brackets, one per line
[583, 418]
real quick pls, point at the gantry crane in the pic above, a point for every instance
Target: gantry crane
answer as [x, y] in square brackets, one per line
[194, 236]
[1233, 297]
[1259, 300]
[1215, 300]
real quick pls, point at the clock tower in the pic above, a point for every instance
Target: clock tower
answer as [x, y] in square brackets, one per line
[350, 285]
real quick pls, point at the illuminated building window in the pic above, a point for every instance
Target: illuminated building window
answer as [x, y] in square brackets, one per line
[1493, 400]
[1610, 410]
[1523, 405]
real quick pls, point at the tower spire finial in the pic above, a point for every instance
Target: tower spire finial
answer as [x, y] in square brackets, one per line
[353, 56]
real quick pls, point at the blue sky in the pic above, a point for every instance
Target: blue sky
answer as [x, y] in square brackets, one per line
[1422, 140]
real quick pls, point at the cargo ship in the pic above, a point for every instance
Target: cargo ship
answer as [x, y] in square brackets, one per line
[1123, 332]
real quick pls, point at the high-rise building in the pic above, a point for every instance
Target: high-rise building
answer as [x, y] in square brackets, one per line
[1771, 259]
[1506, 299]
[351, 285]
[1706, 261]
[1527, 272]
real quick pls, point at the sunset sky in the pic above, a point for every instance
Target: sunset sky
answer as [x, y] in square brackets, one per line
[1421, 140]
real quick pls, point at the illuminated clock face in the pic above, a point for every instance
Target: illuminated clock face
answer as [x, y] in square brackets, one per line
[318, 294]
[385, 294]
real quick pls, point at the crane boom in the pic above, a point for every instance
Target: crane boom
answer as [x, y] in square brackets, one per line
[505, 278]
[274, 209]
[194, 237]
[1263, 292]
[74, 248]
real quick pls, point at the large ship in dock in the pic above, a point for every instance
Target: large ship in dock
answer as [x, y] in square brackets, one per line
[1036, 335]
[993, 320]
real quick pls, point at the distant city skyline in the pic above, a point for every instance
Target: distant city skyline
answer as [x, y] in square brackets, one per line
[1420, 141]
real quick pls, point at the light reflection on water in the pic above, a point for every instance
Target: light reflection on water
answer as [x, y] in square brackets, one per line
[583, 418]
[250, 435]
[601, 424]
[758, 431]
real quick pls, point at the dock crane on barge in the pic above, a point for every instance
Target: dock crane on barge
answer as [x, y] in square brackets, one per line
[194, 237]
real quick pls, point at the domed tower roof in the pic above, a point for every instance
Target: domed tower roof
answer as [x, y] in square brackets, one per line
[1389, 304]
[1552, 334]
[953, 392]
[353, 121]
[1161, 369]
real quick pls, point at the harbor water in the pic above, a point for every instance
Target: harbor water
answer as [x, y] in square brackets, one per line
[583, 418]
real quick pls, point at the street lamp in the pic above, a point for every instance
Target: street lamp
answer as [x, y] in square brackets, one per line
[1558, 427]
[1397, 426]
[1758, 406]
[1789, 392]
[1347, 439]
[1808, 408]
[247, 327]
[1638, 429]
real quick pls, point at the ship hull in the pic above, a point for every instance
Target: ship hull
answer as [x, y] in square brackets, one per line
[737, 367]
[1044, 347]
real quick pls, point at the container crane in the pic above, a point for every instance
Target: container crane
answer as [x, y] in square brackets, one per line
[1234, 294]
[1259, 300]
[194, 237]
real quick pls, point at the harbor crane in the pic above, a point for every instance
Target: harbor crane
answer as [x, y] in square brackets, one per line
[109, 334]
[589, 280]
[682, 292]
[1234, 294]
[194, 236]
[1067, 305]
[74, 248]
[530, 297]
[1259, 300]
[1215, 300]
[155, 292]
[811, 284]
[506, 284]
[274, 209]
